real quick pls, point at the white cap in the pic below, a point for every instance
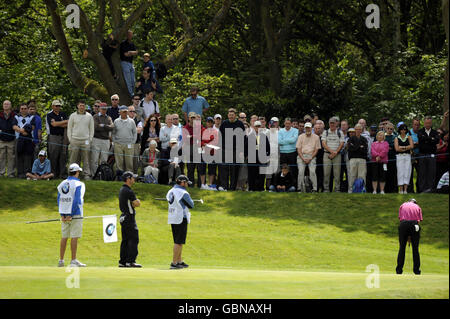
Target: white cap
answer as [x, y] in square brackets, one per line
[173, 140]
[217, 116]
[275, 119]
[308, 124]
[42, 153]
[257, 123]
[75, 168]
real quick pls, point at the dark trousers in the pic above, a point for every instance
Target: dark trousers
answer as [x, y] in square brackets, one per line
[291, 160]
[405, 229]
[369, 178]
[57, 154]
[427, 172]
[229, 174]
[129, 244]
[343, 181]
[391, 176]
[255, 179]
[24, 164]
[319, 170]
[201, 170]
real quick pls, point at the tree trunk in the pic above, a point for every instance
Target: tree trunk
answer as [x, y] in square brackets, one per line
[445, 9]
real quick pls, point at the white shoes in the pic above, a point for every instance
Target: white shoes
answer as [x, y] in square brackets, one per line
[374, 192]
[382, 192]
[76, 263]
[204, 186]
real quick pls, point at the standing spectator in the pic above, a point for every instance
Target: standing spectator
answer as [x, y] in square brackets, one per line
[369, 138]
[284, 181]
[8, 127]
[103, 126]
[318, 130]
[217, 121]
[428, 141]
[24, 151]
[113, 111]
[255, 178]
[37, 131]
[380, 150]
[242, 117]
[332, 143]
[127, 52]
[229, 171]
[150, 161]
[275, 123]
[137, 143]
[124, 135]
[96, 107]
[415, 153]
[195, 147]
[301, 127]
[57, 122]
[41, 168]
[109, 45]
[344, 157]
[357, 154]
[151, 131]
[195, 103]
[149, 105]
[294, 123]
[403, 146]
[391, 175]
[165, 133]
[80, 132]
[442, 155]
[210, 136]
[139, 110]
[287, 140]
[308, 145]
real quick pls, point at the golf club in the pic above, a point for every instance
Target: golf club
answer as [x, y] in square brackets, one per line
[195, 200]
[59, 219]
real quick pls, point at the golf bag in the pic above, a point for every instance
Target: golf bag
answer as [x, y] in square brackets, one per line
[358, 186]
[104, 173]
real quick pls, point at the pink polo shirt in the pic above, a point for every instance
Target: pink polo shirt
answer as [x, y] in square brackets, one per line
[410, 211]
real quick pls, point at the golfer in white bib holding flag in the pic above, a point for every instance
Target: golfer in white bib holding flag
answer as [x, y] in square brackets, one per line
[179, 216]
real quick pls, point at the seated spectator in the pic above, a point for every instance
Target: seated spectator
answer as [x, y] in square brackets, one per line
[442, 186]
[284, 181]
[41, 168]
[379, 149]
[150, 160]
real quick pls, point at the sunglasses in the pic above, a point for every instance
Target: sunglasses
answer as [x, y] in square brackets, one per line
[152, 120]
[114, 99]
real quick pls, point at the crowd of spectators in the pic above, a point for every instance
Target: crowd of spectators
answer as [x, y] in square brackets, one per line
[308, 155]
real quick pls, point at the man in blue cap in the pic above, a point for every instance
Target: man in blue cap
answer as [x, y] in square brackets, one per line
[179, 216]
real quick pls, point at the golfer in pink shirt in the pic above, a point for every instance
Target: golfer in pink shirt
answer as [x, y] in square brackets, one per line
[409, 214]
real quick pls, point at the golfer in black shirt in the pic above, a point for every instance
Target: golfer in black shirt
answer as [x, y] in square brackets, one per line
[130, 235]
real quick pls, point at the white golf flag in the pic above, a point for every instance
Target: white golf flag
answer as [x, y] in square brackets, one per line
[109, 229]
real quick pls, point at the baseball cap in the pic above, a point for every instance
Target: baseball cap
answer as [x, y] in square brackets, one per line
[352, 129]
[183, 178]
[333, 119]
[275, 119]
[400, 123]
[307, 117]
[192, 114]
[217, 116]
[123, 108]
[257, 123]
[308, 124]
[146, 54]
[373, 127]
[42, 153]
[103, 105]
[413, 200]
[56, 102]
[209, 119]
[128, 175]
[75, 168]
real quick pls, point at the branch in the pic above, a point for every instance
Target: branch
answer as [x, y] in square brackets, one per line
[188, 44]
[134, 16]
[116, 14]
[184, 19]
[101, 18]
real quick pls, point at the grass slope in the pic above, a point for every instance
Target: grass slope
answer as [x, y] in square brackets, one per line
[324, 233]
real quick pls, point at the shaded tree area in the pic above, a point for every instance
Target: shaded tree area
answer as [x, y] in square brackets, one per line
[268, 57]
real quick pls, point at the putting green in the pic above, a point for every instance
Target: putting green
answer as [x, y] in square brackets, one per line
[155, 283]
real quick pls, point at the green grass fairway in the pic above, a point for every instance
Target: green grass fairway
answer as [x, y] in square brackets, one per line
[239, 245]
[155, 283]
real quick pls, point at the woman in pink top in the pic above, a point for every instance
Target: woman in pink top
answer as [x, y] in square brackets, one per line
[379, 150]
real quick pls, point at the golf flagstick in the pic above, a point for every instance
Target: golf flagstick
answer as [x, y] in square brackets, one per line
[194, 200]
[59, 219]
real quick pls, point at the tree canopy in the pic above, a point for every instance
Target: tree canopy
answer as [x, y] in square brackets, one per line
[268, 57]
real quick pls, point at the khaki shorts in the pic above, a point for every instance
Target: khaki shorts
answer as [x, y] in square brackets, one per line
[72, 229]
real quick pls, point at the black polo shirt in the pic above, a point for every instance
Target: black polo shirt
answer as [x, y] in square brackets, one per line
[126, 46]
[126, 197]
[58, 118]
[428, 143]
[113, 112]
